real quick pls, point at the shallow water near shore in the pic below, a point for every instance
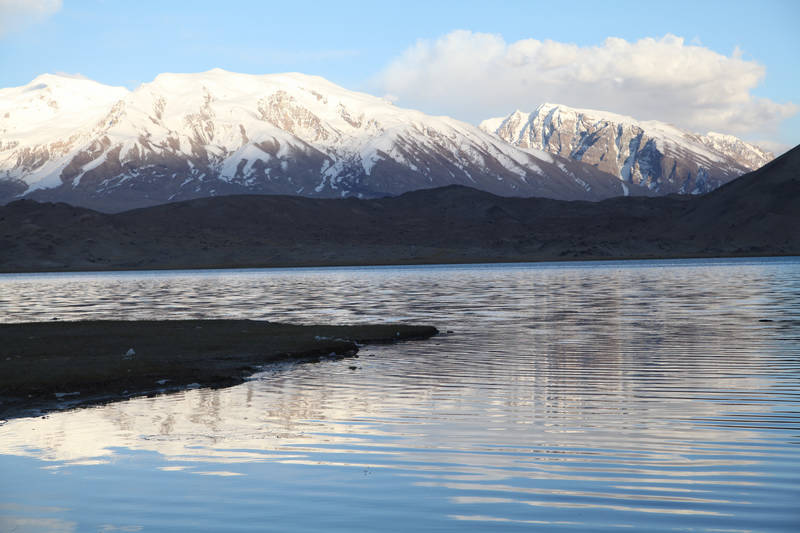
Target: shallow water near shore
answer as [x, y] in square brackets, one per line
[642, 395]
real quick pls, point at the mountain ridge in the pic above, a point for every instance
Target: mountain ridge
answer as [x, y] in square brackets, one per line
[217, 132]
[753, 215]
[657, 155]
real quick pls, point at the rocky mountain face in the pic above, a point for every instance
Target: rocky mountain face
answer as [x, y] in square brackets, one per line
[185, 136]
[651, 154]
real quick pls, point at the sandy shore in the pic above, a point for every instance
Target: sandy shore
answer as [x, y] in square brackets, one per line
[45, 366]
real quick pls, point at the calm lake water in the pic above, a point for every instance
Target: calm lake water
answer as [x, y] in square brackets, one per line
[638, 396]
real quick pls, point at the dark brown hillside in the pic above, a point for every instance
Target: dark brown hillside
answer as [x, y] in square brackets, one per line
[760, 210]
[757, 214]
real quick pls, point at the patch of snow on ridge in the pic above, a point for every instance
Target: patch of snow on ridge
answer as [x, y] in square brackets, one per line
[96, 162]
[737, 148]
[49, 175]
[492, 124]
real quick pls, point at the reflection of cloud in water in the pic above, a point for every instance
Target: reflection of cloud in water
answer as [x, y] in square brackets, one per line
[471, 500]
[13, 518]
[302, 411]
[219, 473]
[19, 524]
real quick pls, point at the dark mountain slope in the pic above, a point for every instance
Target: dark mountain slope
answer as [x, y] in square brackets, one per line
[760, 210]
[755, 215]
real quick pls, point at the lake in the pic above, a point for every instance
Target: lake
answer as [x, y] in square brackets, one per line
[637, 395]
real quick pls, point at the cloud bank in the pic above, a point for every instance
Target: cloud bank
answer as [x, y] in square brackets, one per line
[473, 76]
[15, 14]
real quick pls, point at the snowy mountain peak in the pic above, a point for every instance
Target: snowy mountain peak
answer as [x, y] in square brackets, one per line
[60, 81]
[44, 121]
[57, 86]
[653, 154]
[750, 155]
[217, 132]
[53, 89]
[591, 115]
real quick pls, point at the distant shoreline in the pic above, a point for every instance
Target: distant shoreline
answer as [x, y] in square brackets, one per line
[48, 366]
[389, 264]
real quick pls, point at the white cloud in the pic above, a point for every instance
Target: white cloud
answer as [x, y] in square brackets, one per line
[15, 14]
[474, 76]
[776, 147]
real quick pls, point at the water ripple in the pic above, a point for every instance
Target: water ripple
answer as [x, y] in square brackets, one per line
[645, 395]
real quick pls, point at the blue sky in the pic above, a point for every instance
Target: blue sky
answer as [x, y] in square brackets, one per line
[370, 46]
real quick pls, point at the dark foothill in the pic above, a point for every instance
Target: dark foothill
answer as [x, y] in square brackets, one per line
[754, 215]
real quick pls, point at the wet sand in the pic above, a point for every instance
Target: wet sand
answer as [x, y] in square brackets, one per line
[52, 365]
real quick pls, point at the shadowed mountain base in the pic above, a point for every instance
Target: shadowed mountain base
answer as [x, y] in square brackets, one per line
[757, 214]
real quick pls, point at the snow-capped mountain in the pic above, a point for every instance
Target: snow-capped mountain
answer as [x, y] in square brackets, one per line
[748, 155]
[192, 135]
[653, 154]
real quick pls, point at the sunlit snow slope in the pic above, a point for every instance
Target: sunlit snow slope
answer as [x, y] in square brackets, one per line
[652, 154]
[192, 135]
